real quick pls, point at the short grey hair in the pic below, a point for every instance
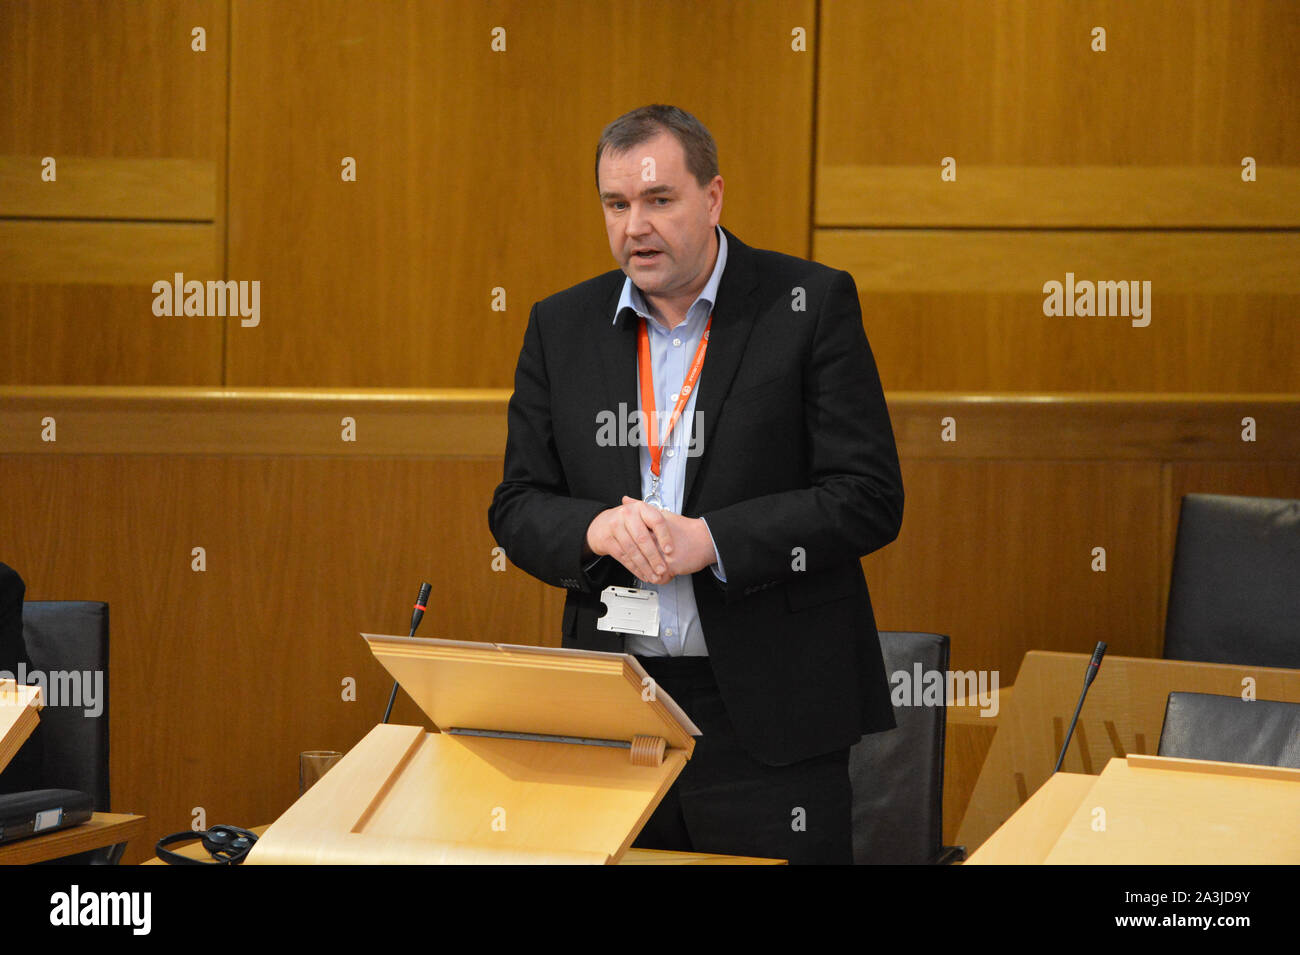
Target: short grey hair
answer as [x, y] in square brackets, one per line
[644, 124]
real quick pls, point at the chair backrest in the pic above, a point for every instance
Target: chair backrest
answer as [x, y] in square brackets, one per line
[897, 775]
[67, 641]
[1229, 729]
[1234, 594]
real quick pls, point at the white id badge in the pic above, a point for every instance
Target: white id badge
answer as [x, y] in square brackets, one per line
[630, 611]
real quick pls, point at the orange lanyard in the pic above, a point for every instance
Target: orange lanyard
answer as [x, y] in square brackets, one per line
[645, 375]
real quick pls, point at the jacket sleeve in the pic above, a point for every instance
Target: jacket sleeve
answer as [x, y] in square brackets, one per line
[542, 529]
[854, 504]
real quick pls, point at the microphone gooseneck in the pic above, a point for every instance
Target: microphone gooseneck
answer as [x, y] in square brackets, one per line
[1093, 665]
[417, 614]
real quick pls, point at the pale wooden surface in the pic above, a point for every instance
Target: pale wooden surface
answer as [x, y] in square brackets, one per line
[525, 689]
[404, 796]
[633, 856]
[1153, 810]
[1123, 714]
[20, 706]
[1028, 836]
[103, 829]
[1205, 813]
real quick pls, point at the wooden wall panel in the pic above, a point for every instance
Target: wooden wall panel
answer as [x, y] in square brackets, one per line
[1098, 163]
[1254, 262]
[172, 190]
[134, 254]
[309, 541]
[101, 335]
[104, 87]
[242, 665]
[474, 167]
[444, 424]
[998, 556]
[1058, 196]
[963, 309]
[461, 423]
[1015, 83]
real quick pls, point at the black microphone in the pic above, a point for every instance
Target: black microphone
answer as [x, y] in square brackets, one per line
[421, 602]
[1093, 665]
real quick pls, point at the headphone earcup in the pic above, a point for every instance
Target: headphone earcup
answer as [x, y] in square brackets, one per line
[227, 845]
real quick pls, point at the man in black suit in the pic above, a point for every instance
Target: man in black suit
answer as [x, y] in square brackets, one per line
[747, 515]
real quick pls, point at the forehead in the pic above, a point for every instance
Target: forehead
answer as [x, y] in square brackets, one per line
[667, 153]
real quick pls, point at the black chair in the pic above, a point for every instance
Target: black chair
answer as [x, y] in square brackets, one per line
[1228, 729]
[897, 775]
[65, 637]
[1234, 594]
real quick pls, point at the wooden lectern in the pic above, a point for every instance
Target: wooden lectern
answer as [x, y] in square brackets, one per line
[19, 705]
[542, 755]
[1155, 810]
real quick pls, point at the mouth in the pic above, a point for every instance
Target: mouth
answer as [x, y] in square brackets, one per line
[647, 255]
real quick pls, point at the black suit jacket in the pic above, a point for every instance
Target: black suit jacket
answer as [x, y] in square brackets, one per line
[797, 457]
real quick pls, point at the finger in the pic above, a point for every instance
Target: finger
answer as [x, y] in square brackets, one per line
[655, 520]
[629, 555]
[646, 544]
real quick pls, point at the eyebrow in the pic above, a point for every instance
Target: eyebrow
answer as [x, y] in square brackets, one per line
[647, 191]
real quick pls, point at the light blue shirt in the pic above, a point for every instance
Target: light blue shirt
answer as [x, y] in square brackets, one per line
[671, 353]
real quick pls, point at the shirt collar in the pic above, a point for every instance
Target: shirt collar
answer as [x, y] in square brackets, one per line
[632, 298]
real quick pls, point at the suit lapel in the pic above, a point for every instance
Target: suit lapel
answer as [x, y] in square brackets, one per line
[733, 320]
[617, 347]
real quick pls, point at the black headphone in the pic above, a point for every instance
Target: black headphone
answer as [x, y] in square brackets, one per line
[228, 845]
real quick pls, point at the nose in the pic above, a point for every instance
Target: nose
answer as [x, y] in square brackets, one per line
[638, 225]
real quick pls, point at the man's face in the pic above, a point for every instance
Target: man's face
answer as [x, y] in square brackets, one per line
[653, 203]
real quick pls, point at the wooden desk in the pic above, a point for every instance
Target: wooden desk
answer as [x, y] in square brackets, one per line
[1155, 810]
[1028, 836]
[633, 856]
[103, 829]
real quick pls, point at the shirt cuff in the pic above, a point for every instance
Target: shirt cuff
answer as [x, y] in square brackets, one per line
[717, 563]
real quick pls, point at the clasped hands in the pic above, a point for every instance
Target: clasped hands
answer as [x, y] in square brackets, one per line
[655, 545]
